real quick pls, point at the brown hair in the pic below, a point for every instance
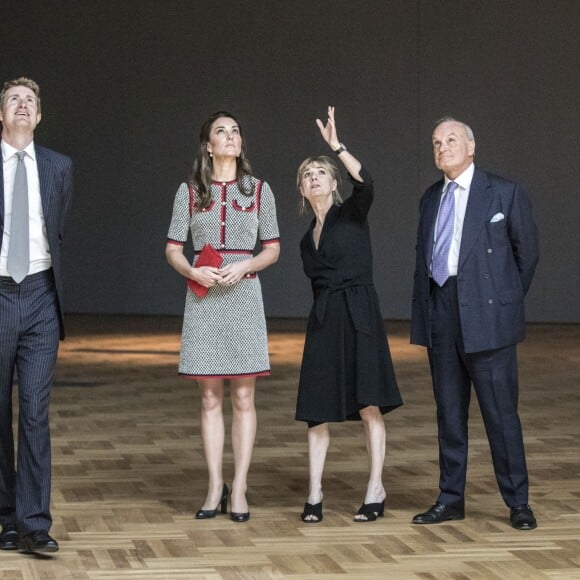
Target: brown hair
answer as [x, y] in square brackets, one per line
[201, 172]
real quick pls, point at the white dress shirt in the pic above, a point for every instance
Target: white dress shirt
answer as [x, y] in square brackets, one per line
[39, 253]
[461, 197]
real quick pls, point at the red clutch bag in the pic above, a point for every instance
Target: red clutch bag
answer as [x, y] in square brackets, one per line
[207, 257]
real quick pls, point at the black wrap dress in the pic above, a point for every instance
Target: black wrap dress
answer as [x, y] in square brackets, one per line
[346, 364]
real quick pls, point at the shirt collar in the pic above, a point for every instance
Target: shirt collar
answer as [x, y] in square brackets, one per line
[463, 180]
[8, 151]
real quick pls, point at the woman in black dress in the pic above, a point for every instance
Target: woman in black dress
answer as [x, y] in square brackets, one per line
[347, 372]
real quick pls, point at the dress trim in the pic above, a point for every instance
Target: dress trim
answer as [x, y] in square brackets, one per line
[195, 209]
[229, 251]
[238, 207]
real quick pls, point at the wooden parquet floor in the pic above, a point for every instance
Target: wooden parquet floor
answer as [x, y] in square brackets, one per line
[128, 471]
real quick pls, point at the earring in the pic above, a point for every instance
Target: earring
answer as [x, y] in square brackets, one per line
[210, 154]
[303, 204]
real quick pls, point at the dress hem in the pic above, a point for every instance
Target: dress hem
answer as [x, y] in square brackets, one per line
[238, 376]
[355, 416]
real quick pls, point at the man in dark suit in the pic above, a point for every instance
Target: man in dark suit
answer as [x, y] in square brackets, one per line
[477, 250]
[35, 190]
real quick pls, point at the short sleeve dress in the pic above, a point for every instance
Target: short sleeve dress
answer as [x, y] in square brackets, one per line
[224, 333]
[347, 363]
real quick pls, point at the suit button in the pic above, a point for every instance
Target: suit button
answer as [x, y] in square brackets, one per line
[486, 275]
[490, 301]
[489, 251]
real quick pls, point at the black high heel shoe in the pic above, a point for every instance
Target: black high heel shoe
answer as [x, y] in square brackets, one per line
[223, 504]
[240, 517]
[371, 511]
[313, 510]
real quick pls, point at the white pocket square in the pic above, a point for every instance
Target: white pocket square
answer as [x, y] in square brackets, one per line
[497, 217]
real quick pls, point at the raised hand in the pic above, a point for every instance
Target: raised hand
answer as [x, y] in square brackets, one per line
[328, 131]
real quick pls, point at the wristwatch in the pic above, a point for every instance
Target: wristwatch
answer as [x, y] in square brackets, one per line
[340, 149]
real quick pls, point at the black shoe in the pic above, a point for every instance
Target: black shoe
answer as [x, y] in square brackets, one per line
[439, 513]
[9, 537]
[240, 517]
[370, 511]
[38, 541]
[314, 510]
[223, 504]
[522, 518]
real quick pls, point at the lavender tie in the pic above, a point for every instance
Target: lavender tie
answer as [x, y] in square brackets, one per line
[19, 251]
[445, 221]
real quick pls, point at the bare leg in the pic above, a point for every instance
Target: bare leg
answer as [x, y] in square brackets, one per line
[375, 438]
[243, 436]
[212, 434]
[318, 443]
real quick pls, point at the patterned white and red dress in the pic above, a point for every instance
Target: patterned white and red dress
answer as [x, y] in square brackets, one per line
[224, 333]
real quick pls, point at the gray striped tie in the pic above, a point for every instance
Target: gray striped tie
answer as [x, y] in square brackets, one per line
[19, 251]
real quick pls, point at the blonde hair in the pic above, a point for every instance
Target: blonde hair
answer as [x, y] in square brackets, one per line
[21, 82]
[328, 164]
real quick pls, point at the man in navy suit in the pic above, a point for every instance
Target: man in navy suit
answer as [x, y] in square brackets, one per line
[30, 313]
[468, 310]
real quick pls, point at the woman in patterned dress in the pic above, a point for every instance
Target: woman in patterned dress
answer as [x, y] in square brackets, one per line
[224, 333]
[347, 372]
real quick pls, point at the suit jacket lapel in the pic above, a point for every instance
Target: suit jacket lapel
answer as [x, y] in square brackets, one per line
[44, 177]
[1, 193]
[480, 196]
[430, 212]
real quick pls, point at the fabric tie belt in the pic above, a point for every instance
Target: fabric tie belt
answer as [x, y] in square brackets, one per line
[359, 309]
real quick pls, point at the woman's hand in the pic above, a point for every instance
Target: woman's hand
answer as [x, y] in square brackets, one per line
[233, 272]
[328, 131]
[207, 276]
[236, 271]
